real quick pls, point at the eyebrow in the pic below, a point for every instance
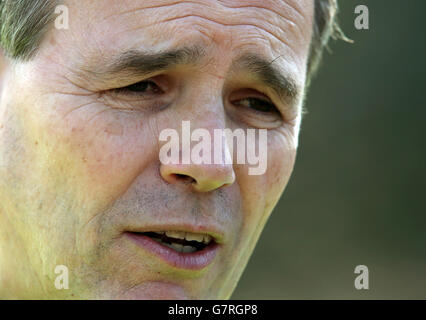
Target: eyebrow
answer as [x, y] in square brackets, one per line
[144, 63]
[270, 75]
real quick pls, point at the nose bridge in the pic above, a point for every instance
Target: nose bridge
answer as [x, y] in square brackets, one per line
[203, 129]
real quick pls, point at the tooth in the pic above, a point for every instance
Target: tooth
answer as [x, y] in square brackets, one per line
[159, 232]
[188, 249]
[177, 247]
[207, 239]
[194, 237]
[175, 234]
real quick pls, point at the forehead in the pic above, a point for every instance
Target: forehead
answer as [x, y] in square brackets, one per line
[273, 28]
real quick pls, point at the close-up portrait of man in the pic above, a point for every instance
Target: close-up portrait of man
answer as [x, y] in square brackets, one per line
[81, 111]
[99, 98]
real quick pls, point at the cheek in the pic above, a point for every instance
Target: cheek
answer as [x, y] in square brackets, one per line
[106, 153]
[282, 153]
[261, 193]
[280, 162]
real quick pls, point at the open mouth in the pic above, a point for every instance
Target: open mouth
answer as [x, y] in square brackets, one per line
[184, 242]
[180, 249]
[179, 241]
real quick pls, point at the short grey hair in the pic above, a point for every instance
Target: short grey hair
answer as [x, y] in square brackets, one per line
[23, 24]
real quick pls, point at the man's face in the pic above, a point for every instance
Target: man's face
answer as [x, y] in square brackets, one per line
[81, 182]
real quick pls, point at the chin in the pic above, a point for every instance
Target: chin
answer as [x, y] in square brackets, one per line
[154, 291]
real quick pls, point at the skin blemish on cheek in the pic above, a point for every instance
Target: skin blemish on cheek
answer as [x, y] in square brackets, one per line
[114, 128]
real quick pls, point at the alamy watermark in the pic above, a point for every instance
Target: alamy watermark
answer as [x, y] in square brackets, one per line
[361, 281]
[62, 280]
[179, 149]
[362, 20]
[62, 20]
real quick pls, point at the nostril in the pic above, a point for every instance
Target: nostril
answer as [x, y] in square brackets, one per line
[198, 178]
[183, 178]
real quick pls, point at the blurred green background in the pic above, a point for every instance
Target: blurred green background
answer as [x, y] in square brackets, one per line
[357, 194]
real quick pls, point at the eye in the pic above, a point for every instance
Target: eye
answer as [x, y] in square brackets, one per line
[257, 104]
[147, 87]
[255, 109]
[153, 94]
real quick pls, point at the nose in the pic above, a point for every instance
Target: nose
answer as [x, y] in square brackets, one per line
[200, 157]
[201, 177]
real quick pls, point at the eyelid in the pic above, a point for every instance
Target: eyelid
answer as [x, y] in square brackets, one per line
[249, 93]
[243, 94]
[124, 98]
[261, 100]
[162, 81]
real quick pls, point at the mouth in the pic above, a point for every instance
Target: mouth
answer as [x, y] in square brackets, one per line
[184, 242]
[181, 249]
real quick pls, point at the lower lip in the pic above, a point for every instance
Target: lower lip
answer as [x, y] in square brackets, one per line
[191, 261]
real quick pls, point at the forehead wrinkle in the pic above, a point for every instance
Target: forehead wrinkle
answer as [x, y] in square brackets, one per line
[227, 24]
[275, 8]
[280, 24]
[145, 7]
[290, 22]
